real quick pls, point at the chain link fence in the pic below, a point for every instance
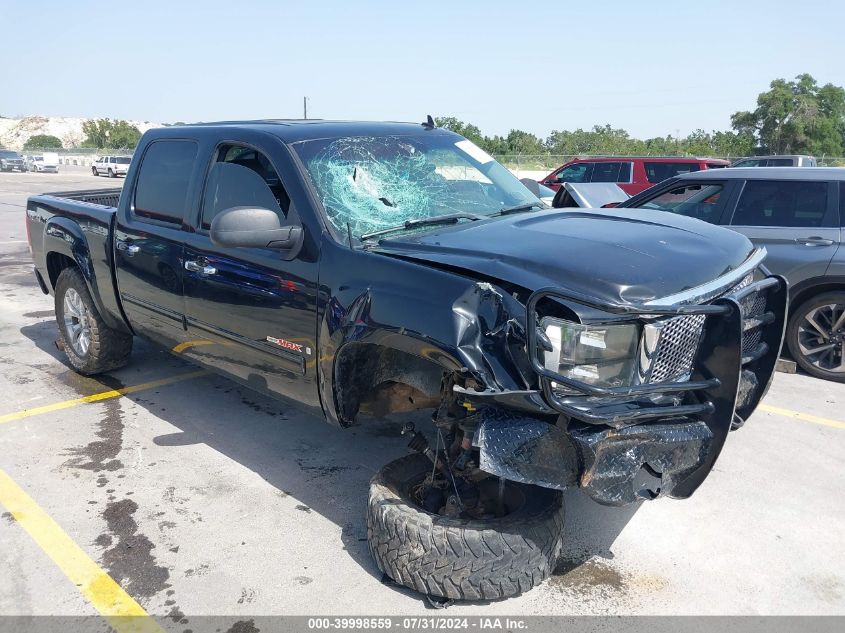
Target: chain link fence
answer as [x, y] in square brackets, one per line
[84, 156]
[524, 164]
[531, 164]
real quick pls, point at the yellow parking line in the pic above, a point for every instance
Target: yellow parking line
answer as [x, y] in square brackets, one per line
[103, 395]
[798, 415]
[111, 601]
[181, 347]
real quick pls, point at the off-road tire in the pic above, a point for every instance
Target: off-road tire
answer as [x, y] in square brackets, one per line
[108, 349]
[797, 314]
[461, 558]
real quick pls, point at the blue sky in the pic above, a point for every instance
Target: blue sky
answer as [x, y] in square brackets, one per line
[652, 68]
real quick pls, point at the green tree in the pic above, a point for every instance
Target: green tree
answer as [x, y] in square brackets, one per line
[520, 142]
[797, 117]
[467, 130]
[43, 141]
[105, 133]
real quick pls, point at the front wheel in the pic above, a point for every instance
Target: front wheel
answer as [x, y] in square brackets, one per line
[816, 336]
[463, 558]
[92, 347]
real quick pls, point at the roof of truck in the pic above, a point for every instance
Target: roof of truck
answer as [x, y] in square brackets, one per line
[768, 173]
[293, 130]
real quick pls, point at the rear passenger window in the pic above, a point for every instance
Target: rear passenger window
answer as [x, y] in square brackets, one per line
[842, 203]
[779, 162]
[658, 172]
[242, 177]
[163, 181]
[781, 203]
[611, 172]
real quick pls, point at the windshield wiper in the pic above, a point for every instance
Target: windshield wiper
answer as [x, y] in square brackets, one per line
[519, 208]
[448, 218]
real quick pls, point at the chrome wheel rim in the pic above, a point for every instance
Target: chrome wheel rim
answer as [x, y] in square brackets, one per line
[76, 322]
[821, 337]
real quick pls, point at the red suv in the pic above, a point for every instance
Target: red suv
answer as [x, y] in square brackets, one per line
[632, 174]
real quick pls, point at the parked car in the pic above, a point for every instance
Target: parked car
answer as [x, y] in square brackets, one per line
[47, 162]
[589, 195]
[632, 174]
[373, 269]
[111, 166]
[11, 160]
[798, 216]
[546, 194]
[793, 160]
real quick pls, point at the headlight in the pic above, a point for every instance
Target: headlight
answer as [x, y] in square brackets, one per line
[601, 355]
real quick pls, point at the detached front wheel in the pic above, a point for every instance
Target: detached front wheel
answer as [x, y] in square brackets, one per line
[462, 558]
[92, 347]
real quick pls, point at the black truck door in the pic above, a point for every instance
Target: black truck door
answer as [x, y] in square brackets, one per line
[251, 312]
[149, 239]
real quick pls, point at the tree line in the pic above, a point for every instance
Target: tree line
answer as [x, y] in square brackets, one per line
[792, 117]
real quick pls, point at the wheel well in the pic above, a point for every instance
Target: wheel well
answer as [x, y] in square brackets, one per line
[377, 380]
[56, 263]
[808, 293]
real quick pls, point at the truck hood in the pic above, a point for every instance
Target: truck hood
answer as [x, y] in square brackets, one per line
[615, 255]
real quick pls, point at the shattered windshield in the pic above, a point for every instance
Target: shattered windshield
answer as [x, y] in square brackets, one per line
[377, 182]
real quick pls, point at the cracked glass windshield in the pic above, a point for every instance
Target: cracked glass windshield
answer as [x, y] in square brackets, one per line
[373, 183]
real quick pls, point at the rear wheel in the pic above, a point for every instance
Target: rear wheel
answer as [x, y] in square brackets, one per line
[462, 558]
[91, 346]
[111, 173]
[816, 336]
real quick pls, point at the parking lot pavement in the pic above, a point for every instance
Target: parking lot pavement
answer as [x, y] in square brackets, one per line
[197, 496]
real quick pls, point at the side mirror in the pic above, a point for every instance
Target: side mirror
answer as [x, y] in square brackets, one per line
[532, 185]
[253, 227]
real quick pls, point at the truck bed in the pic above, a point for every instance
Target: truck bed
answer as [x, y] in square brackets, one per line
[104, 197]
[77, 225]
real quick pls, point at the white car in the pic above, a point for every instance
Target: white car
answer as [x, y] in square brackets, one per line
[47, 162]
[111, 166]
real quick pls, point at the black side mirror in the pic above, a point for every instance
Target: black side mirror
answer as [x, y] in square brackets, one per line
[253, 227]
[532, 185]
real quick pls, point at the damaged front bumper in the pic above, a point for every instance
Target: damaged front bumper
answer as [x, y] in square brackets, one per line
[622, 444]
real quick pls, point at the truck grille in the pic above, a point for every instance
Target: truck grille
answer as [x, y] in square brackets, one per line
[679, 341]
[681, 336]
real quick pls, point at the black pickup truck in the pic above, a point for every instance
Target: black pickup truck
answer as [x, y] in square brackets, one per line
[380, 269]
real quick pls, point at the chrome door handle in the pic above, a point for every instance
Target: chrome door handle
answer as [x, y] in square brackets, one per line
[814, 241]
[127, 248]
[197, 267]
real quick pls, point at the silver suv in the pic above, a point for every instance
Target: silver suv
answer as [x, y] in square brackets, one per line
[781, 160]
[111, 166]
[10, 160]
[798, 215]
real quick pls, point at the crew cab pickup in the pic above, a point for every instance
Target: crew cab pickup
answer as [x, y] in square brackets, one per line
[376, 269]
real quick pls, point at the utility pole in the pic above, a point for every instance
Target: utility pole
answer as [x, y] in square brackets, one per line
[304, 107]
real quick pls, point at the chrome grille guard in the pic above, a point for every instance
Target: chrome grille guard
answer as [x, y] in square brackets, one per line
[730, 327]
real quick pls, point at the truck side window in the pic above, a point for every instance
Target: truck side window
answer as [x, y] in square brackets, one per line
[163, 181]
[578, 172]
[242, 177]
[694, 201]
[793, 203]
